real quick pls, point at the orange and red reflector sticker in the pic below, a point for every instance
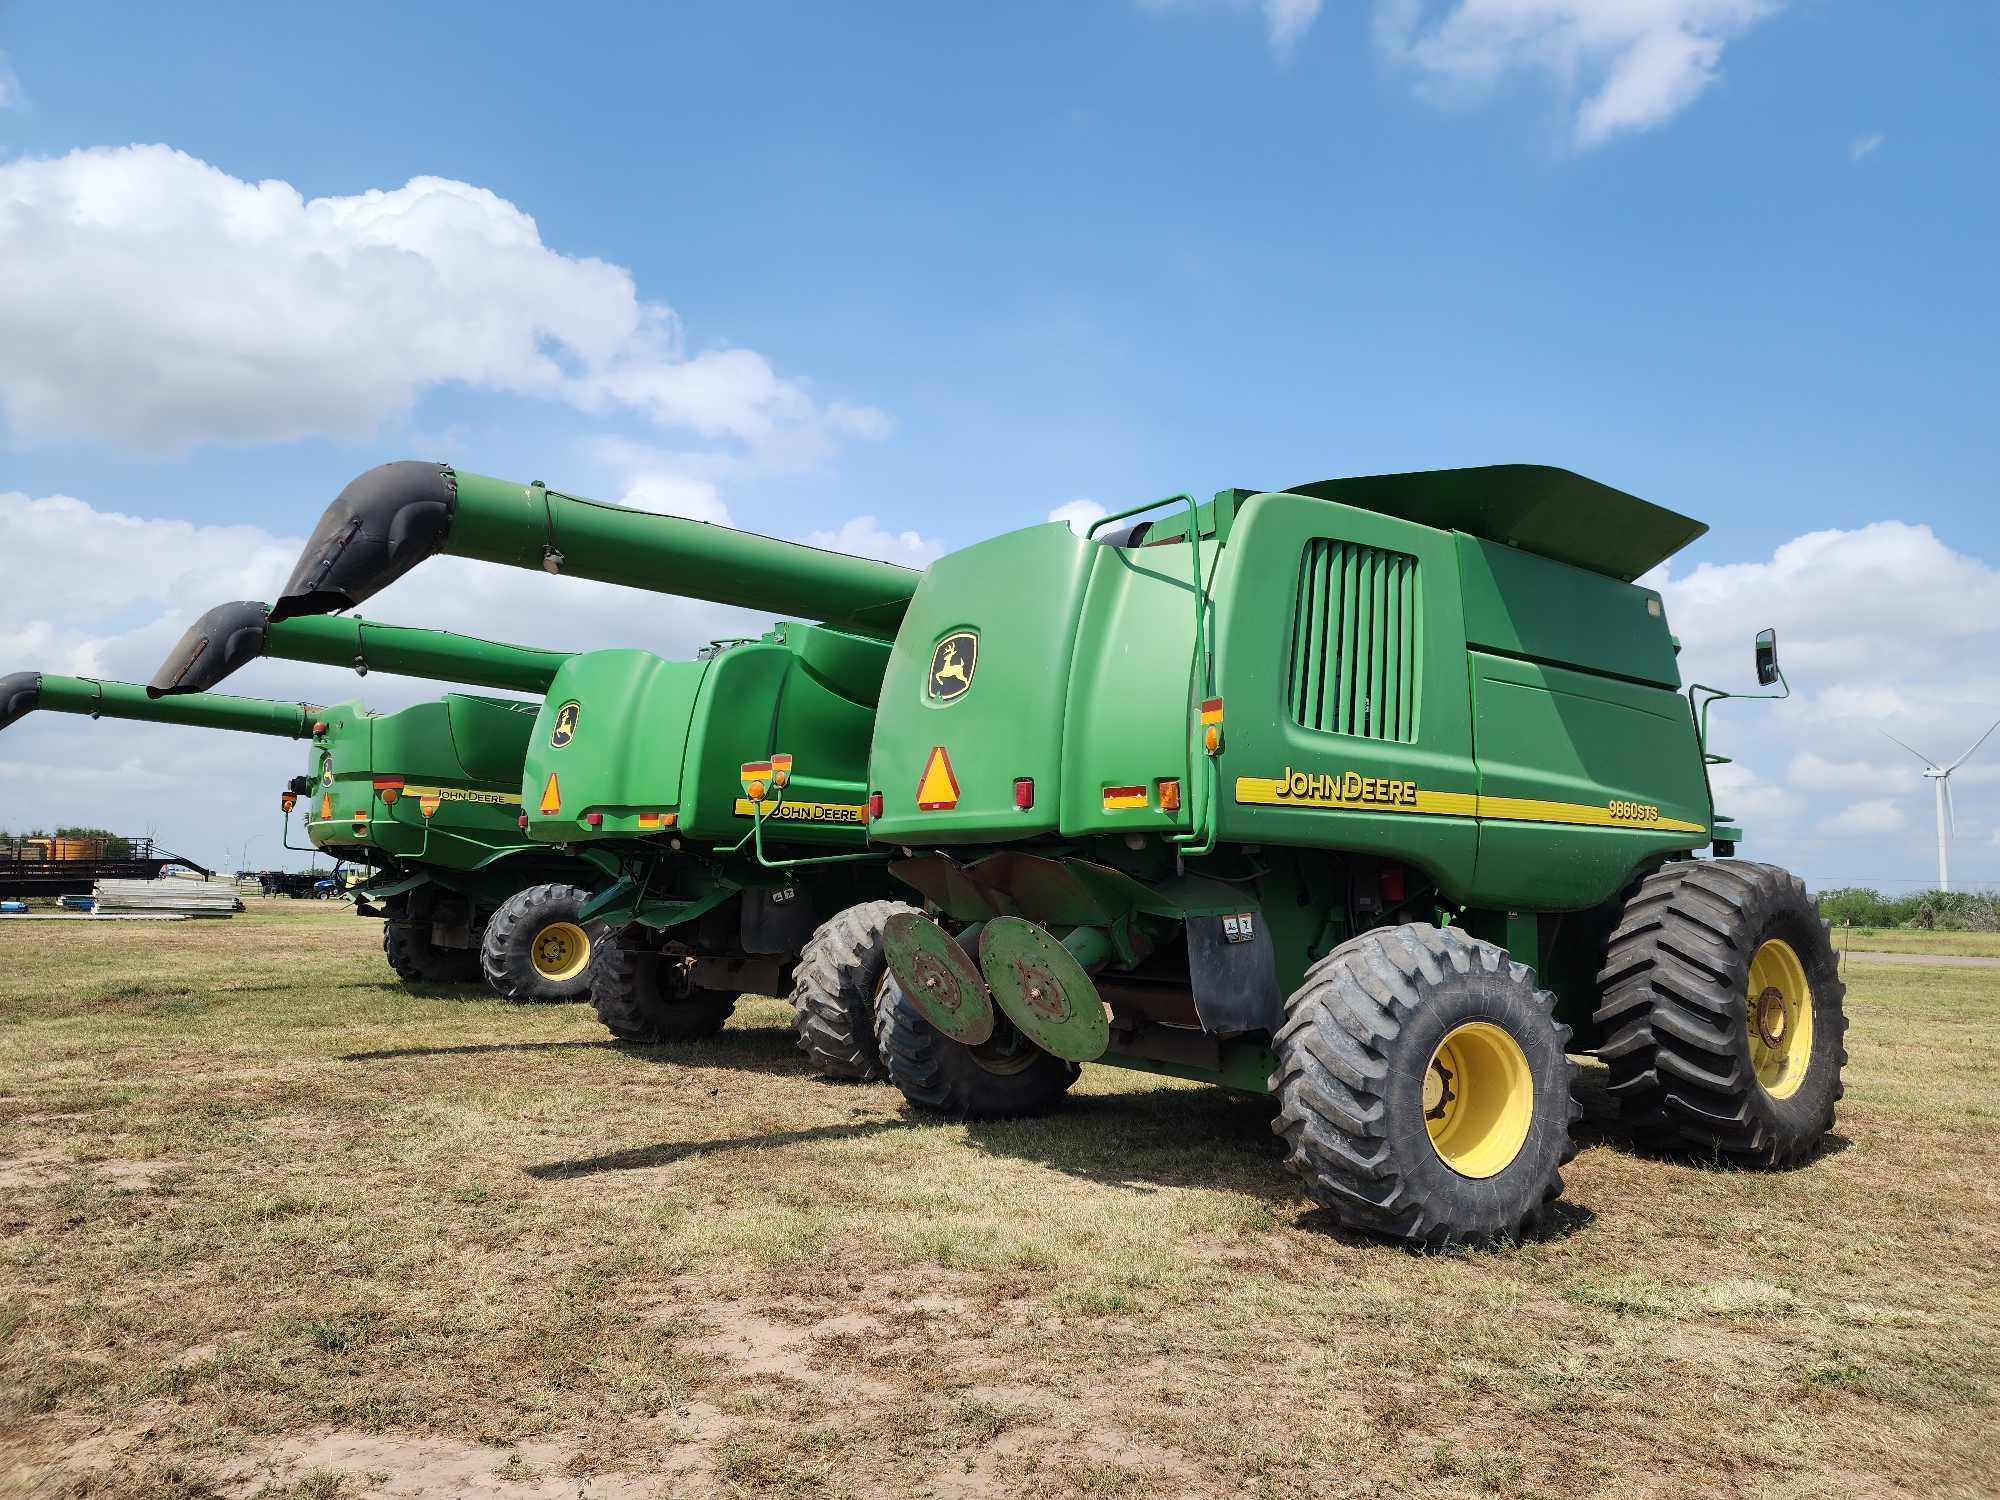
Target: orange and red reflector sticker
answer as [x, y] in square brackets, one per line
[1211, 725]
[1170, 795]
[781, 770]
[326, 808]
[756, 776]
[937, 788]
[1120, 798]
[658, 819]
[551, 795]
[428, 806]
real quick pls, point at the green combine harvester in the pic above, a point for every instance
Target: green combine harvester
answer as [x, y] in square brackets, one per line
[727, 791]
[427, 797]
[1379, 795]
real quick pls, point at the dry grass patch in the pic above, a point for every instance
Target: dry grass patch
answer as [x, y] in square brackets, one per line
[1913, 940]
[270, 1224]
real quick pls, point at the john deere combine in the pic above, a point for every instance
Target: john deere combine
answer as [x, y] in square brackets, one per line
[727, 790]
[1379, 795]
[427, 797]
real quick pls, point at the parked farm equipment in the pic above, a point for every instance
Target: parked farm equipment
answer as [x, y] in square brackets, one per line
[1379, 795]
[732, 849]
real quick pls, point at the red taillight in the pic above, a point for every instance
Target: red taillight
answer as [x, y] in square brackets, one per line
[874, 806]
[594, 820]
[1024, 792]
[523, 820]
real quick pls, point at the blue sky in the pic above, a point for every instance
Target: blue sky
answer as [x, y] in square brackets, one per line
[1733, 255]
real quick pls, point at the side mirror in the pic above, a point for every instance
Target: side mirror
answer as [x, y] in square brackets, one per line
[1767, 657]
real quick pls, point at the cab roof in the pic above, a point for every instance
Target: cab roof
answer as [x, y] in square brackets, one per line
[1547, 511]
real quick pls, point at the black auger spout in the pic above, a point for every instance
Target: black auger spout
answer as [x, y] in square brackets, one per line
[20, 695]
[393, 517]
[231, 636]
[377, 529]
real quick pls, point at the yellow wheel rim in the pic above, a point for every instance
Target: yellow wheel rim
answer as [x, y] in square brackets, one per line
[560, 951]
[1778, 1018]
[1479, 1099]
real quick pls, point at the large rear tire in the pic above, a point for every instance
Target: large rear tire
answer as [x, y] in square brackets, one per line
[642, 998]
[418, 960]
[1721, 1013]
[1003, 1077]
[535, 951]
[1423, 1090]
[833, 991]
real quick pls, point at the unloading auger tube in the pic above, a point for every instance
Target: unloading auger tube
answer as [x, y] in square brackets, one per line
[22, 693]
[393, 517]
[231, 636]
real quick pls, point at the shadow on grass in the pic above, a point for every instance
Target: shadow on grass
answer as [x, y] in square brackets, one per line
[755, 1049]
[638, 1158]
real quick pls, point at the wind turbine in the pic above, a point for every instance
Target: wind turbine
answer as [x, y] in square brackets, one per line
[1946, 825]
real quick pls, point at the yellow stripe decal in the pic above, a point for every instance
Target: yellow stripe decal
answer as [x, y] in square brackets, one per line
[1380, 794]
[803, 812]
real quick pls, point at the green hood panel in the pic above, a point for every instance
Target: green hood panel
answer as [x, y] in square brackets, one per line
[613, 734]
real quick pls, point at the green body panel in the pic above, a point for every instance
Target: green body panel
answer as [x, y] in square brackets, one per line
[646, 738]
[623, 753]
[1442, 699]
[1518, 604]
[1547, 734]
[419, 747]
[1257, 602]
[1124, 725]
[498, 521]
[349, 641]
[128, 700]
[1024, 592]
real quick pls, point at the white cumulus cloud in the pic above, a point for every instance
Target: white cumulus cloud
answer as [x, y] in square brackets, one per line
[864, 536]
[1627, 64]
[154, 301]
[1875, 815]
[1885, 627]
[1078, 513]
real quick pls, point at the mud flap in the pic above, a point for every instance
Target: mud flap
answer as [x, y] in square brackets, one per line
[778, 919]
[1235, 974]
[451, 922]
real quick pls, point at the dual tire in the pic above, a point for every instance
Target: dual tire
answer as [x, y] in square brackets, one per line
[417, 960]
[645, 999]
[1721, 1014]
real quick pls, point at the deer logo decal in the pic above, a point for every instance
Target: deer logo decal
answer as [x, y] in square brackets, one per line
[952, 665]
[565, 729]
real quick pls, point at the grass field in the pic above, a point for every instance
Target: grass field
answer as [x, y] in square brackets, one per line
[270, 1225]
[1905, 940]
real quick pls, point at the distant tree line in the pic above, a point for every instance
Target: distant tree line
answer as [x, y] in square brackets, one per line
[1953, 911]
